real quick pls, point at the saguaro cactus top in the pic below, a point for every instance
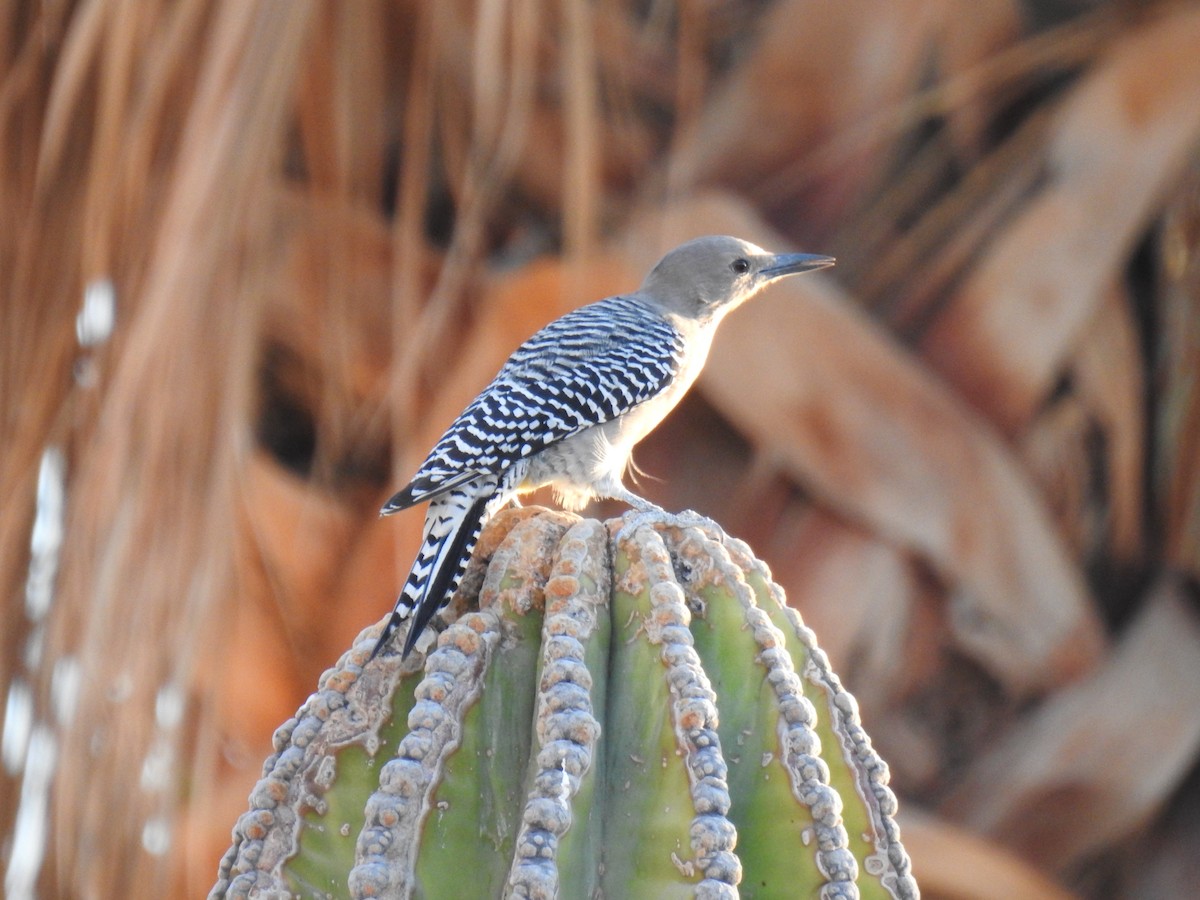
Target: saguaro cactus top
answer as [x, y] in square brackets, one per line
[642, 717]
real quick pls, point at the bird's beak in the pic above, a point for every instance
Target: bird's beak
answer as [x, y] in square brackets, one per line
[791, 263]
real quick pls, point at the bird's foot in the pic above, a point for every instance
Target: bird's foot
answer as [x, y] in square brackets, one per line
[689, 518]
[654, 515]
[631, 522]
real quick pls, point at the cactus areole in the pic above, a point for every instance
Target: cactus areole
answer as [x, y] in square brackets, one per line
[608, 714]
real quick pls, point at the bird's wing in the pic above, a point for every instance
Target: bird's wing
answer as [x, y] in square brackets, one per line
[588, 367]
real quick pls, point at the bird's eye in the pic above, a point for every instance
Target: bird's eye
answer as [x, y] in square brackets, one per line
[740, 266]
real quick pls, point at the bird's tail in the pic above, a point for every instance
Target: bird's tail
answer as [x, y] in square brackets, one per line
[452, 527]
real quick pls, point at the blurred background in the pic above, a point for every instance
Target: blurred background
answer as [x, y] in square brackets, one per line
[256, 254]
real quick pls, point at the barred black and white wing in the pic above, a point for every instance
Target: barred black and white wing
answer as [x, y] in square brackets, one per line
[587, 368]
[592, 365]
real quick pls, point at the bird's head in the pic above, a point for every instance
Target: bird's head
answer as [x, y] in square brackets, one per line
[710, 276]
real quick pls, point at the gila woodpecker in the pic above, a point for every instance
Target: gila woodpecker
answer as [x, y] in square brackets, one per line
[569, 405]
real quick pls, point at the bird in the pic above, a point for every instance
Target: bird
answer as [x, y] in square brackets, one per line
[567, 408]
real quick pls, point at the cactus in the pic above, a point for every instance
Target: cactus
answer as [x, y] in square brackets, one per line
[621, 713]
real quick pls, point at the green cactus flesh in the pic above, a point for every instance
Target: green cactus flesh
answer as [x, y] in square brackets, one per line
[608, 713]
